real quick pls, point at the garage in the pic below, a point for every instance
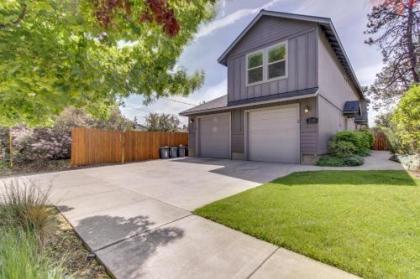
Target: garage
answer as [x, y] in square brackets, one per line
[273, 134]
[214, 136]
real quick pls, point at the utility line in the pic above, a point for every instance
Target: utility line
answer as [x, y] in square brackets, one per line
[178, 101]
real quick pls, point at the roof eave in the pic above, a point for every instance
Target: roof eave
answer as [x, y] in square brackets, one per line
[185, 113]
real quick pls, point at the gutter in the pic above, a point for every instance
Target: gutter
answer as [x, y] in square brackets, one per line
[253, 104]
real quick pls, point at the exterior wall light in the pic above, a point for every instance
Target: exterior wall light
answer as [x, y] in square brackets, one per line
[307, 109]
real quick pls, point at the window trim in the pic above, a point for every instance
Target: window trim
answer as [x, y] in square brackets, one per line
[262, 66]
[265, 64]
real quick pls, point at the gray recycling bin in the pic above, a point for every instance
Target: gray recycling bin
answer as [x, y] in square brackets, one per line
[164, 152]
[173, 152]
[181, 151]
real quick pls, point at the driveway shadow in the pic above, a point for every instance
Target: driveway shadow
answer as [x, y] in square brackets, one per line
[125, 244]
[102, 231]
[258, 172]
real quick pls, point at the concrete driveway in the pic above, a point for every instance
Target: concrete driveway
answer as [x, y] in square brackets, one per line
[137, 219]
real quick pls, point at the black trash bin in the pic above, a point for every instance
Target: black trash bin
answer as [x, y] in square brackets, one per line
[181, 151]
[173, 153]
[164, 152]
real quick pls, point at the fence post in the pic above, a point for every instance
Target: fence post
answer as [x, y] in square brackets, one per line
[122, 140]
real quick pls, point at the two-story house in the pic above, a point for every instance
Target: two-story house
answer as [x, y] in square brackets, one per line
[290, 88]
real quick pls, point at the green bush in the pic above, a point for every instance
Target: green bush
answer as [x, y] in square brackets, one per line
[405, 122]
[342, 148]
[362, 141]
[331, 161]
[367, 138]
[334, 161]
[353, 161]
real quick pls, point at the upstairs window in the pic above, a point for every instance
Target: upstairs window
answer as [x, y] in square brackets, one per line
[267, 64]
[255, 67]
[277, 61]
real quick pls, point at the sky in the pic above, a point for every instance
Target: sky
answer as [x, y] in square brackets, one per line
[349, 19]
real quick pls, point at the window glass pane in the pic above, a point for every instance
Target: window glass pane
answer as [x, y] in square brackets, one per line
[276, 53]
[255, 75]
[277, 69]
[255, 60]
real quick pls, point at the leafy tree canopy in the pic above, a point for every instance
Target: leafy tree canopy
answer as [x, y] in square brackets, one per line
[72, 117]
[90, 54]
[394, 26]
[162, 122]
[406, 120]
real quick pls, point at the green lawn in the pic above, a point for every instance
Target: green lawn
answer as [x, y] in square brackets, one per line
[364, 222]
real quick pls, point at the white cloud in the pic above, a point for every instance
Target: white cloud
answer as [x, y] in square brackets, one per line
[231, 19]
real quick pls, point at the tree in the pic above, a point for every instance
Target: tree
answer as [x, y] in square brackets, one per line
[72, 117]
[384, 119]
[162, 122]
[406, 120]
[91, 54]
[394, 26]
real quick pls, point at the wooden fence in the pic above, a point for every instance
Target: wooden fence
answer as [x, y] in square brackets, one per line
[380, 141]
[92, 146]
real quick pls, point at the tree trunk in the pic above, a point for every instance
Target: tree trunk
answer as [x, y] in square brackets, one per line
[410, 44]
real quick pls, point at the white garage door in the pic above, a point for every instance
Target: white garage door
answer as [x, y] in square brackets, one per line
[214, 136]
[273, 134]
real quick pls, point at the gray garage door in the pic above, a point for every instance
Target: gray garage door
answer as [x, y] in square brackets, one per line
[273, 134]
[214, 136]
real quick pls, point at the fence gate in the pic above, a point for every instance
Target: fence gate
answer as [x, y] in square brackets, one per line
[380, 141]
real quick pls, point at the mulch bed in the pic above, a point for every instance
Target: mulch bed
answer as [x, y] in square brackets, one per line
[77, 260]
[35, 167]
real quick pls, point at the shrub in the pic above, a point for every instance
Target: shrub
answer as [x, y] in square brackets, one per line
[342, 148]
[43, 144]
[405, 121]
[332, 161]
[367, 138]
[349, 136]
[353, 161]
[20, 257]
[24, 205]
[362, 141]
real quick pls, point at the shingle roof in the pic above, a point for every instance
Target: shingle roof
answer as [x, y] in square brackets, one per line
[221, 103]
[213, 104]
[326, 26]
[351, 108]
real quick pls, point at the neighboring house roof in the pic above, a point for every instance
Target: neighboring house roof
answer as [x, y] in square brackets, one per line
[221, 103]
[354, 109]
[326, 25]
[351, 108]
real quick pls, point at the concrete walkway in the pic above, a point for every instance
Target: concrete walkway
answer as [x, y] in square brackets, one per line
[137, 218]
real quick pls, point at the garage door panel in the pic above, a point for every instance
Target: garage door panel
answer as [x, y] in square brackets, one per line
[214, 136]
[273, 135]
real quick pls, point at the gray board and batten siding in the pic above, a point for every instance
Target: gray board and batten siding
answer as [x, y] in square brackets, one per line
[301, 38]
